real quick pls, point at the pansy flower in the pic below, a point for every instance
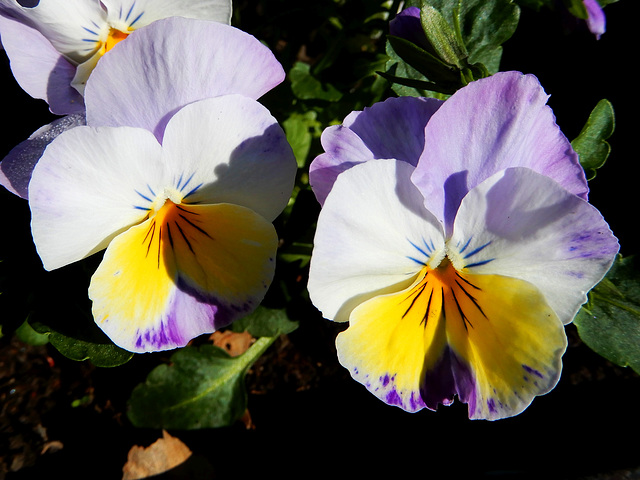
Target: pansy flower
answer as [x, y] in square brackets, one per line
[458, 272]
[186, 222]
[158, 70]
[54, 46]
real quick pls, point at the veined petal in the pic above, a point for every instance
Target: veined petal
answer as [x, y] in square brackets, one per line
[390, 129]
[522, 224]
[373, 236]
[492, 124]
[89, 186]
[39, 68]
[230, 149]
[174, 62]
[188, 270]
[491, 341]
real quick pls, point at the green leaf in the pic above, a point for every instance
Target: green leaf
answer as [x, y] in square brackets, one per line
[83, 341]
[609, 323]
[202, 387]
[407, 80]
[483, 25]
[442, 37]
[591, 144]
[306, 87]
[28, 335]
[265, 322]
[301, 129]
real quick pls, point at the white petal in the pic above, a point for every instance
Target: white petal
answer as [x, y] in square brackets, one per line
[373, 236]
[522, 224]
[72, 26]
[143, 12]
[234, 151]
[88, 187]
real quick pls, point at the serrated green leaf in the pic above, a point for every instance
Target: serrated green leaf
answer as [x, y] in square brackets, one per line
[306, 87]
[202, 387]
[610, 321]
[591, 144]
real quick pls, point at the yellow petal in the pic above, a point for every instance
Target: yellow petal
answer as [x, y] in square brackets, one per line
[491, 341]
[187, 270]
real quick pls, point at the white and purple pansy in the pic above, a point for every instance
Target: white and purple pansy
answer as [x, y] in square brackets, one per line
[54, 46]
[186, 222]
[456, 267]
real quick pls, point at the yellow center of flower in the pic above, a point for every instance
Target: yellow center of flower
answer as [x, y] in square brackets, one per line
[114, 37]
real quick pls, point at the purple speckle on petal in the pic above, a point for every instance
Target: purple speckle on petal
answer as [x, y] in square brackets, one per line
[392, 398]
[532, 371]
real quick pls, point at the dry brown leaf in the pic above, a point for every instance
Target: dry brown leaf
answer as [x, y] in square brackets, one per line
[234, 343]
[162, 455]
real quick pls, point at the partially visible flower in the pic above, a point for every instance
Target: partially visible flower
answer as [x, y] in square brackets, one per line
[458, 273]
[54, 46]
[406, 24]
[186, 223]
[158, 70]
[596, 20]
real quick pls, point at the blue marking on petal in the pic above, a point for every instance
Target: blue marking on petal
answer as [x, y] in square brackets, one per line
[193, 190]
[143, 196]
[141, 208]
[130, 10]
[426, 254]
[429, 246]
[136, 19]
[179, 181]
[90, 31]
[477, 264]
[473, 252]
[419, 262]
[151, 190]
[465, 246]
[185, 183]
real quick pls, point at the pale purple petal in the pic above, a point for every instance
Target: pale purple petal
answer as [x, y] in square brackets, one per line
[172, 62]
[39, 68]
[394, 128]
[390, 129]
[498, 122]
[343, 149]
[16, 167]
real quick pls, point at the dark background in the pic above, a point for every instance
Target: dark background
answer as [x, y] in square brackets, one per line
[309, 419]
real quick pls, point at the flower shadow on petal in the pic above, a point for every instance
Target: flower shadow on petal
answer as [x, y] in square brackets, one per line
[237, 182]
